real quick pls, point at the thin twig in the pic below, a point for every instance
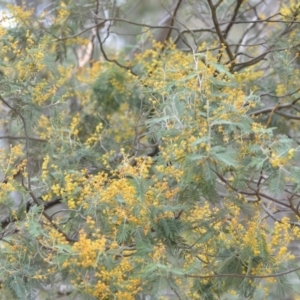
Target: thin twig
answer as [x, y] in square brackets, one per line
[244, 276]
[26, 139]
[10, 137]
[219, 32]
[81, 32]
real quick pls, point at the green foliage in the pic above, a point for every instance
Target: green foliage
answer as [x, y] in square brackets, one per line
[167, 171]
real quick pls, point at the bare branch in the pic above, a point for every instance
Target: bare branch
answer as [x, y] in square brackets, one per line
[173, 18]
[98, 25]
[236, 10]
[244, 276]
[219, 32]
[26, 138]
[10, 137]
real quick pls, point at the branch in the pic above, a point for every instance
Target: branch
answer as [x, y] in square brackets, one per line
[173, 19]
[283, 96]
[50, 220]
[138, 24]
[257, 59]
[244, 276]
[109, 59]
[267, 20]
[254, 61]
[287, 115]
[22, 138]
[236, 9]
[219, 32]
[81, 32]
[26, 138]
[270, 109]
[255, 192]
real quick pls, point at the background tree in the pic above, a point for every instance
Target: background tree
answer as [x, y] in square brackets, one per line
[144, 157]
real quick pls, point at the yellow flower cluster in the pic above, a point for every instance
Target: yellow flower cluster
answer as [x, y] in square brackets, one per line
[122, 124]
[88, 250]
[62, 13]
[277, 161]
[94, 138]
[42, 92]
[44, 127]
[21, 15]
[89, 75]
[45, 165]
[287, 11]
[74, 124]
[158, 252]
[251, 238]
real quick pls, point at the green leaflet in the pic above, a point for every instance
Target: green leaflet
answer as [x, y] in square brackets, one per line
[227, 156]
[201, 140]
[277, 181]
[222, 69]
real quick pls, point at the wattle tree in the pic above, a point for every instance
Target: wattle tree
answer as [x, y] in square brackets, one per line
[169, 169]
